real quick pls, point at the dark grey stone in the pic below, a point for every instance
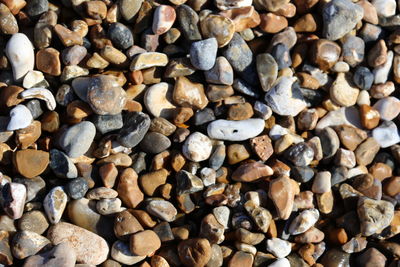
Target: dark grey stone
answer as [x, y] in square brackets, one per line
[154, 143]
[120, 35]
[363, 78]
[136, 125]
[77, 188]
[108, 123]
[61, 165]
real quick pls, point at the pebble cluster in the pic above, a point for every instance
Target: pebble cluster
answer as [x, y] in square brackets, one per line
[199, 133]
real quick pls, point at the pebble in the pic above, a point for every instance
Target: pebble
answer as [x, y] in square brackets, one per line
[199, 49]
[120, 252]
[322, 182]
[136, 125]
[188, 183]
[235, 130]
[219, 27]
[386, 134]
[381, 72]
[162, 209]
[374, 215]
[154, 143]
[384, 8]
[271, 23]
[158, 99]
[26, 243]
[129, 8]
[107, 123]
[73, 55]
[280, 248]
[388, 108]
[61, 165]
[89, 247]
[282, 192]
[280, 263]
[365, 152]
[20, 117]
[188, 20]
[61, 255]
[104, 87]
[354, 51]
[120, 35]
[250, 172]
[267, 70]
[8, 23]
[77, 188]
[144, 243]
[194, 252]
[220, 73]
[13, 199]
[197, 147]
[356, 244]
[31, 163]
[54, 204]
[340, 17]
[300, 154]
[21, 65]
[189, 94]
[128, 189]
[342, 93]
[33, 221]
[147, 60]
[244, 17]
[304, 221]
[41, 93]
[284, 98]
[76, 140]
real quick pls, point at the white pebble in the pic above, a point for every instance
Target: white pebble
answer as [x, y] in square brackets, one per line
[197, 147]
[304, 221]
[20, 117]
[235, 130]
[280, 263]
[54, 204]
[19, 51]
[322, 183]
[386, 134]
[279, 247]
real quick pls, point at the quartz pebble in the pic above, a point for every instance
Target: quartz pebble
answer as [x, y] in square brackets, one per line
[235, 130]
[20, 64]
[197, 147]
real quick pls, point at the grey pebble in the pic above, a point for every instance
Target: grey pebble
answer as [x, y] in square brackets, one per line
[76, 140]
[203, 53]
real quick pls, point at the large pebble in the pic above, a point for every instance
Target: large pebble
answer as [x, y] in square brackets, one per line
[136, 125]
[164, 18]
[54, 204]
[20, 117]
[62, 165]
[342, 92]
[386, 134]
[267, 70]
[108, 123]
[89, 247]
[282, 192]
[220, 73]
[384, 8]
[388, 107]
[203, 53]
[105, 96]
[340, 17]
[8, 23]
[285, 98]
[235, 130]
[129, 8]
[304, 221]
[154, 143]
[158, 100]
[120, 35]
[162, 209]
[61, 255]
[194, 252]
[13, 198]
[374, 215]
[19, 51]
[26, 243]
[280, 248]
[147, 60]
[197, 147]
[30, 162]
[128, 188]
[76, 140]
[220, 27]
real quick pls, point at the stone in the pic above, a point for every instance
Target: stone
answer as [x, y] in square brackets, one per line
[388, 108]
[350, 136]
[61, 255]
[13, 199]
[61, 165]
[8, 23]
[342, 92]
[322, 182]
[271, 23]
[147, 60]
[304, 221]
[241, 258]
[48, 61]
[151, 181]
[33, 221]
[136, 125]
[188, 20]
[89, 247]
[235, 130]
[129, 8]
[242, 17]
[107, 123]
[76, 140]
[73, 55]
[120, 252]
[329, 141]
[370, 117]
[77, 188]
[162, 209]
[113, 55]
[54, 204]
[282, 193]
[267, 70]
[197, 147]
[300, 154]
[374, 215]
[365, 152]
[379, 91]
[199, 49]
[18, 45]
[284, 98]
[30, 162]
[26, 243]
[241, 111]
[154, 143]
[250, 172]
[220, 73]
[20, 118]
[144, 243]
[386, 134]
[236, 153]
[188, 183]
[217, 93]
[128, 188]
[384, 8]
[67, 37]
[378, 54]
[211, 229]
[372, 257]
[120, 35]
[219, 27]
[381, 72]
[189, 94]
[261, 216]
[126, 224]
[194, 252]
[278, 247]
[158, 100]
[340, 17]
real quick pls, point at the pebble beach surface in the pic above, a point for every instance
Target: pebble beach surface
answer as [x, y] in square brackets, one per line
[199, 133]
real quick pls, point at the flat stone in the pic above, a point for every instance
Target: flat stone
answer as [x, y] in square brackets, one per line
[89, 247]
[267, 70]
[220, 73]
[188, 20]
[219, 27]
[154, 143]
[365, 152]
[147, 60]
[129, 8]
[30, 162]
[235, 130]
[152, 180]
[33, 221]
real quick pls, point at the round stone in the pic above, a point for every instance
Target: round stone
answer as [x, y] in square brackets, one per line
[120, 35]
[197, 147]
[203, 53]
[76, 140]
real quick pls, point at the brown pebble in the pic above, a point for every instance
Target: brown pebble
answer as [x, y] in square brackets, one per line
[272, 23]
[151, 181]
[68, 37]
[144, 243]
[325, 53]
[369, 116]
[391, 187]
[108, 173]
[128, 188]
[262, 146]
[305, 23]
[380, 171]
[194, 252]
[31, 163]
[96, 9]
[29, 135]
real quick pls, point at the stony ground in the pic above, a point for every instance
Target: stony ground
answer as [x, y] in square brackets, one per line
[199, 133]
